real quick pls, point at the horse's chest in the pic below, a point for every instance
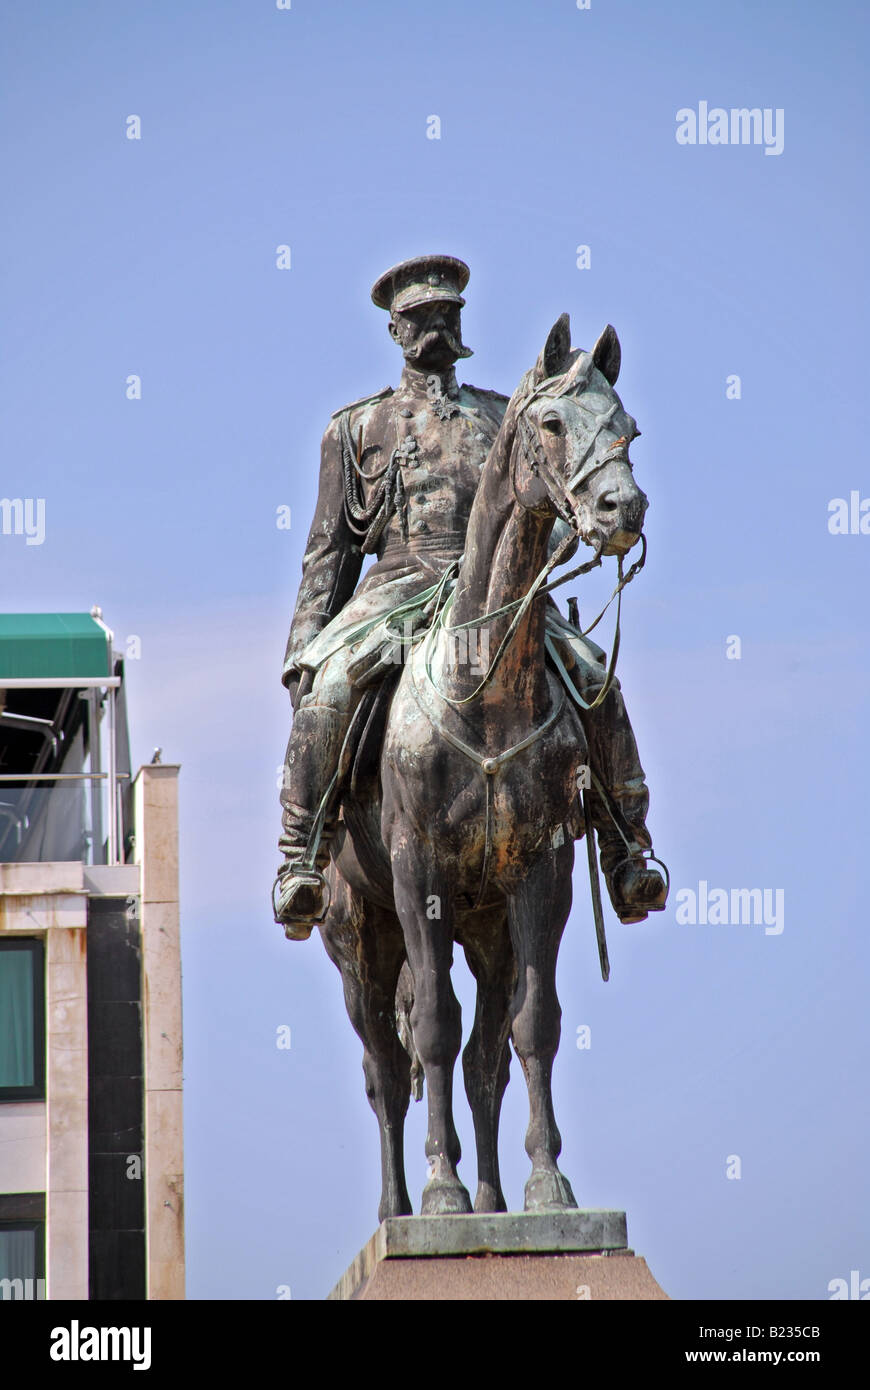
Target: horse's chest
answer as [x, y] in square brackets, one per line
[524, 807]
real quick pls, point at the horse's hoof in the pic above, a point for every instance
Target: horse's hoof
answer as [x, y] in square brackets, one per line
[399, 1206]
[489, 1198]
[549, 1192]
[443, 1198]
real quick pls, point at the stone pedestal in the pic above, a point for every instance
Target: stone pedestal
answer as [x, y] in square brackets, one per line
[579, 1255]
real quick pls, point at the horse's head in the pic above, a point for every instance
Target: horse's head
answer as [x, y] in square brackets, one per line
[571, 445]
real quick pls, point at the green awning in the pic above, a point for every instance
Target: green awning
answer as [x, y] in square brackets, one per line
[52, 646]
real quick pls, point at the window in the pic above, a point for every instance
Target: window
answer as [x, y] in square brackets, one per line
[22, 1020]
[22, 1260]
[22, 1246]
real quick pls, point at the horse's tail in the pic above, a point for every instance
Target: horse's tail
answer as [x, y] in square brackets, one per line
[404, 1005]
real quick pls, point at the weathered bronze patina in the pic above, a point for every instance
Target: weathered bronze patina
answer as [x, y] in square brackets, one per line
[445, 714]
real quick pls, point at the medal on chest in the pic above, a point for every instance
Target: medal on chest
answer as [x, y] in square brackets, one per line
[445, 407]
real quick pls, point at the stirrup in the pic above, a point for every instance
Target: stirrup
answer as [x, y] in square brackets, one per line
[628, 914]
[298, 926]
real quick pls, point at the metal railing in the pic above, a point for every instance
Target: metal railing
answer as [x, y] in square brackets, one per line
[41, 817]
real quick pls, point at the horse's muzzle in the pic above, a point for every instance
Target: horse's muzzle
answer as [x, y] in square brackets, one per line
[621, 542]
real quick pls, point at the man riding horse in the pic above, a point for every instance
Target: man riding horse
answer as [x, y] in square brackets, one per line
[398, 475]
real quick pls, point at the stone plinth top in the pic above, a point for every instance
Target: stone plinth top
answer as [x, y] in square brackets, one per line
[492, 1234]
[502, 1233]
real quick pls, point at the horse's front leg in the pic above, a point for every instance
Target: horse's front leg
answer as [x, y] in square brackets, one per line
[486, 1059]
[537, 914]
[423, 904]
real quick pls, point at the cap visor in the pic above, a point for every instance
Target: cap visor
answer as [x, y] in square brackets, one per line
[413, 298]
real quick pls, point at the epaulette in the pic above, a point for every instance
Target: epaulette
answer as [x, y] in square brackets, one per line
[363, 400]
[482, 391]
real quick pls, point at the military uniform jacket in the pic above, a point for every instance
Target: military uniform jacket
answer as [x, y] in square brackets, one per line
[443, 433]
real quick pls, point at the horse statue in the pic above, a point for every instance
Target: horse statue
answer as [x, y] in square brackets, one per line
[461, 827]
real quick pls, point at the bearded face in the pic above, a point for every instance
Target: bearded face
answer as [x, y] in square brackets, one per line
[430, 335]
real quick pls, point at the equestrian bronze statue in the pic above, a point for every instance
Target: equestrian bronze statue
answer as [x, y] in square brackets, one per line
[453, 733]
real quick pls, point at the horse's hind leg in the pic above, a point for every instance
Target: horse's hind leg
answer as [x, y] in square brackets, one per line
[486, 1059]
[537, 914]
[365, 942]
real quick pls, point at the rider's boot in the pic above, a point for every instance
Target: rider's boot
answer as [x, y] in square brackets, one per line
[300, 894]
[635, 887]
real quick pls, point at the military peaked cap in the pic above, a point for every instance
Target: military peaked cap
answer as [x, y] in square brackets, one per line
[422, 280]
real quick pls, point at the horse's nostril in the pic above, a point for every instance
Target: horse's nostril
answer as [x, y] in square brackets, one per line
[607, 505]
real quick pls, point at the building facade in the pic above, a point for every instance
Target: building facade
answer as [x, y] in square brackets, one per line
[91, 1133]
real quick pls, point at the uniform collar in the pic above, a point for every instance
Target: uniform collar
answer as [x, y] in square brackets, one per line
[416, 383]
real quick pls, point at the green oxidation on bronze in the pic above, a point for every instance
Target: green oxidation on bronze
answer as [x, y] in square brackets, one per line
[430, 790]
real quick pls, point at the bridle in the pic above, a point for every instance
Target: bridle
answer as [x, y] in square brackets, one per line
[562, 490]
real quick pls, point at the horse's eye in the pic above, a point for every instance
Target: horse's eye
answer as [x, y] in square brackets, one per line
[552, 424]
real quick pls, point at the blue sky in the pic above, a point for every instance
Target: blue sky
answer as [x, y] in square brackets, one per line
[157, 258]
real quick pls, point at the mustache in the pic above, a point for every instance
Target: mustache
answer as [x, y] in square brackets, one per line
[456, 345]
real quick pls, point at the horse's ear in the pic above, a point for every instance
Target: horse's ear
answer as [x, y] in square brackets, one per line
[556, 350]
[607, 354]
